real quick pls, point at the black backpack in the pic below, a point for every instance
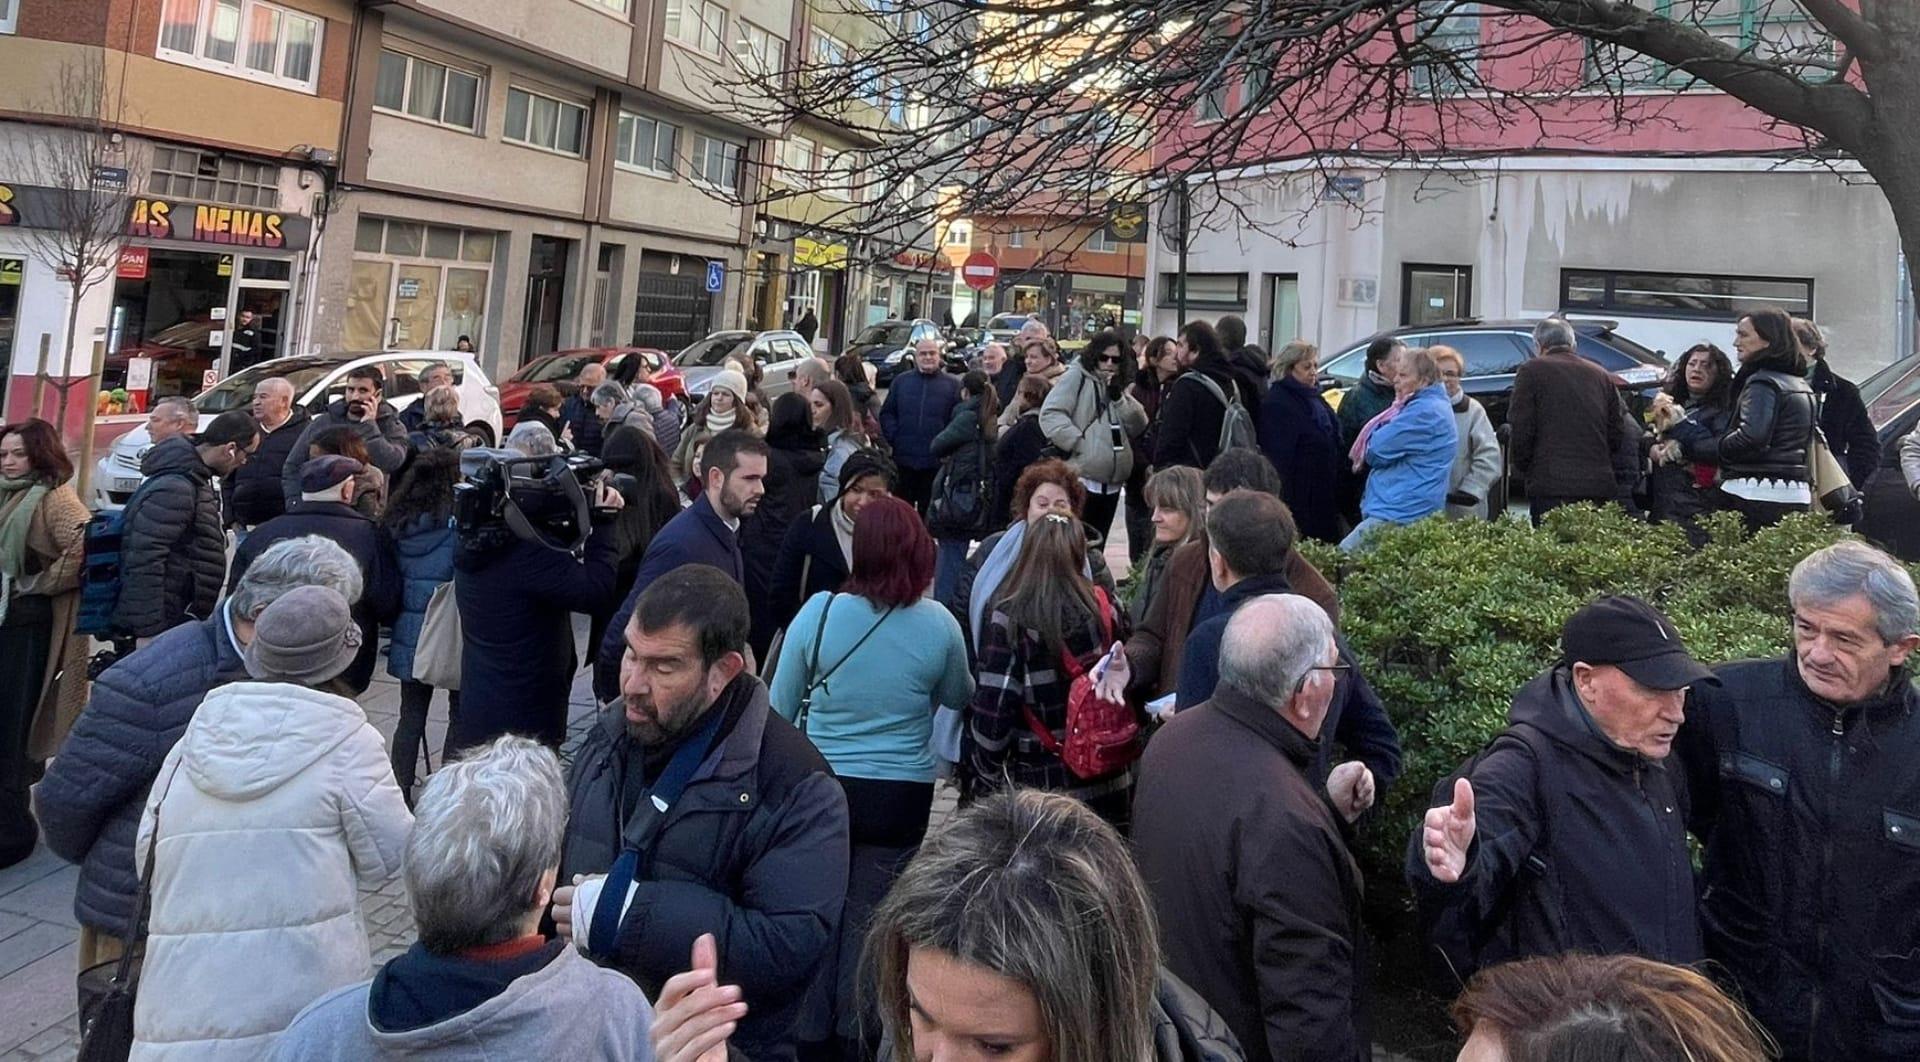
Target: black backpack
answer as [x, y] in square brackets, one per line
[962, 500]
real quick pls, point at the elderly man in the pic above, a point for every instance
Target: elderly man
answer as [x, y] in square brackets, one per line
[436, 374]
[809, 374]
[1003, 371]
[326, 509]
[577, 411]
[482, 864]
[171, 416]
[918, 406]
[1568, 831]
[1805, 775]
[697, 809]
[1566, 423]
[89, 803]
[1257, 896]
[253, 493]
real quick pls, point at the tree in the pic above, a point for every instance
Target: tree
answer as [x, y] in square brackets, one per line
[1068, 103]
[77, 152]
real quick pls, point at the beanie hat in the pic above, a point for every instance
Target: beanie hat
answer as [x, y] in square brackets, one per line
[307, 636]
[733, 380]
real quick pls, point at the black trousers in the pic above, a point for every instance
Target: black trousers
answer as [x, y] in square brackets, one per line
[1139, 518]
[410, 733]
[26, 636]
[888, 820]
[916, 487]
[1099, 512]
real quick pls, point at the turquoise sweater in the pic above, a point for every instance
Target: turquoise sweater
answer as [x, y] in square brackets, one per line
[874, 715]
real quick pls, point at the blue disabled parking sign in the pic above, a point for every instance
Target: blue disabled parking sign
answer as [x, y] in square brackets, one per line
[716, 276]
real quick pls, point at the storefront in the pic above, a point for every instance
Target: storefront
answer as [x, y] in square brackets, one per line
[1073, 305]
[819, 285]
[909, 286]
[416, 286]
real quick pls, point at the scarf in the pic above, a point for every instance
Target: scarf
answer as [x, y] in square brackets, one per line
[1323, 416]
[1359, 451]
[843, 531]
[993, 571]
[719, 422]
[19, 500]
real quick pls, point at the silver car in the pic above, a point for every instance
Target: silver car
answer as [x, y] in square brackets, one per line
[777, 353]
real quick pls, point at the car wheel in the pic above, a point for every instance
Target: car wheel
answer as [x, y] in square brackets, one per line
[482, 434]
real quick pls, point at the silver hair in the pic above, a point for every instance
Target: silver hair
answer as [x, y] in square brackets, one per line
[276, 383]
[305, 561]
[488, 826]
[177, 408]
[647, 397]
[1271, 644]
[532, 439]
[1292, 355]
[442, 405]
[609, 392]
[1854, 569]
[429, 367]
[1418, 361]
[811, 373]
[1554, 333]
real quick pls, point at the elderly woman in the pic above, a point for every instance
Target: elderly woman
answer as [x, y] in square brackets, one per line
[1409, 449]
[42, 525]
[543, 407]
[1179, 499]
[1301, 436]
[440, 424]
[481, 865]
[1476, 453]
[271, 814]
[532, 439]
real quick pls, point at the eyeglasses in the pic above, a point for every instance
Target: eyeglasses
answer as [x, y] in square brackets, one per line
[1335, 668]
[1114, 360]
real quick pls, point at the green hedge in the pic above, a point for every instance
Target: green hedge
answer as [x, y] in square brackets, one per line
[1450, 618]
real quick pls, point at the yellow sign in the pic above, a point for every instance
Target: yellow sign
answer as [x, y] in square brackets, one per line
[10, 270]
[226, 265]
[811, 254]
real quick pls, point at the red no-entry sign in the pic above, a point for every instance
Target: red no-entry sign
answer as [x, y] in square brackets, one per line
[980, 271]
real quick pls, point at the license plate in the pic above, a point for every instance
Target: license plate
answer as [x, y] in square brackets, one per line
[126, 486]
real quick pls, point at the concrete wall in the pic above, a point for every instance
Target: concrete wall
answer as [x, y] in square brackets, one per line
[676, 205]
[587, 33]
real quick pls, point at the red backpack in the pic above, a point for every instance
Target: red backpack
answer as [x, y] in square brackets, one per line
[1103, 736]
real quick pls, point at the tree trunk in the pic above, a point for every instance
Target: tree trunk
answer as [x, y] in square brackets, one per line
[66, 353]
[1891, 151]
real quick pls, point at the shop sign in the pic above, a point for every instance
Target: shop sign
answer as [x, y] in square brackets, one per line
[1126, 222]
[10, 272]
[226, 266]
[110, 178]
[914, 259]
[409, 288]
[811, 254]
[133, 263]
[165, 219]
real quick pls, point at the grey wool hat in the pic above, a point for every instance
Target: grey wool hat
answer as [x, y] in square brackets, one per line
[306, 637]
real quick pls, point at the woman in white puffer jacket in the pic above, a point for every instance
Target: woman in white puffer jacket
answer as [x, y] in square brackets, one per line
[276, 806]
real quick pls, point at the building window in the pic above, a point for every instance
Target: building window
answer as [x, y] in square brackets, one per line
[1101, 242]
[699, 24]
[1775, 31]
[415, 286]
[184, 173]
[1252, 88]
[1212, 106]
[242, 38]
[959, 234]
[1447, 60]
[716, 162]
[9, 15]
[758, 51]
[1016, 238]
[796, 160]
[545, 122]
[1685, 295]
[829, 51]
[837, 177]
[424, 89]
[646, 144]
[1207, 291]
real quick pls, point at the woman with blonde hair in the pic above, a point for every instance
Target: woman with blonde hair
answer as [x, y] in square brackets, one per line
[1476, 452]
[1178, 496]
[1616, 1008]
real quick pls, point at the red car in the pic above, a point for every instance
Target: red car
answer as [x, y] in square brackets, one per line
[561, 367]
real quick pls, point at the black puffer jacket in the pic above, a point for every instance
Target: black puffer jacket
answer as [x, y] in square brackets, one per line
[1190, 416]
[1810, 813]
[1771, 433]
[1186, 1029]
[89, 803]
[173, 549]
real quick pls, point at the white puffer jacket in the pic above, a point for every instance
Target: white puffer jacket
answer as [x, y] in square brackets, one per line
[276, 805]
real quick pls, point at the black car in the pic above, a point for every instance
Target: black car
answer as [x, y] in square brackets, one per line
[888, 346]
[1892, 519]
[1494, 349]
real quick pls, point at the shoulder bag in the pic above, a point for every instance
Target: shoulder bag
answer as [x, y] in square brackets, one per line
[436, 654]
[816, 679]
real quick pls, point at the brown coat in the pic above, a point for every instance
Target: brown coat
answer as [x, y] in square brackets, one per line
[1158, 643]
[57, 535]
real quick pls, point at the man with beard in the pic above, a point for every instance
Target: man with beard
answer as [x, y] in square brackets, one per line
[696, 809]
[733, 469]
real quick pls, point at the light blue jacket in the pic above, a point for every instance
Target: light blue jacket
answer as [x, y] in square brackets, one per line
[874, 715]
[1411, 457]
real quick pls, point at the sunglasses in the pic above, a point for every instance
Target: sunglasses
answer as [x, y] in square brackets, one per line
[1113, 360]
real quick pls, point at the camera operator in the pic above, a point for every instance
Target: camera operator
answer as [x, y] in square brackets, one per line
[517, 590]
[370, 417]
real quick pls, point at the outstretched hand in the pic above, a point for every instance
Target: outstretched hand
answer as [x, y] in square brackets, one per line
[696, 1013]
[1448, 834]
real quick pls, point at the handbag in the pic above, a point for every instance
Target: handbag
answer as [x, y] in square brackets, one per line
[436, 654]
[107, 989]
[1833, 492]
[816, 679]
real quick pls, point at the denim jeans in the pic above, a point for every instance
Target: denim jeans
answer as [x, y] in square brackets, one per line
[948, 562]
[1356, 540]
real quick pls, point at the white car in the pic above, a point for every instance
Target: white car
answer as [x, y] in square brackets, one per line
[778, 353]
[317, 380]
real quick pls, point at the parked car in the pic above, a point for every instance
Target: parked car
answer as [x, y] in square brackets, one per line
[1003, 327]
[317, 380]
[777, 352]
[1892, 519]
[562, 366]
[888, 345]
[1494, 349]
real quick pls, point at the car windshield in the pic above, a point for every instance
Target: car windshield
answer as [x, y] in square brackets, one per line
[1007, 324]
[555, 367]
[713, 350]
[1890, 391]
[1347, 367]
[236, 391]
[892, 335]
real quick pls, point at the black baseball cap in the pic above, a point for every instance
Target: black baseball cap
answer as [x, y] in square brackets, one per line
[1627, 633]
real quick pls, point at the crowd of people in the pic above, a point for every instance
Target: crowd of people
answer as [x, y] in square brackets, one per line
[805, 614]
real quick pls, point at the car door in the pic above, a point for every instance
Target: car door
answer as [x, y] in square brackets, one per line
[778, 356]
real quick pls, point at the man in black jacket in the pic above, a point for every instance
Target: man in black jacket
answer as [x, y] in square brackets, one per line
[1247, 361]
[173, 551]
[1257, 895]
[1569, 832]
[326, 509]
[1805, 776]
[1191, 416]
[370, 416]
[254, 493]
[577, 411]
[698, 810]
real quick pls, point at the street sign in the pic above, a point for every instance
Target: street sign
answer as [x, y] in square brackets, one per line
[1126, 222]
[716, 277]
[981, 271]
[1352, 190]
[133, 263]
[110, 178]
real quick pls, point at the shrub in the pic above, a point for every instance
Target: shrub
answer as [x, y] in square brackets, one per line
[1450, 618]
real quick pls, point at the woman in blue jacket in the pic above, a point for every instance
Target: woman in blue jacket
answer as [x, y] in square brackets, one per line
[419, 516]
[861, 672]
[1409, 448]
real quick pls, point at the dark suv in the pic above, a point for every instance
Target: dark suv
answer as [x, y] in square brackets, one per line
[1892, 519]
[1494, 349]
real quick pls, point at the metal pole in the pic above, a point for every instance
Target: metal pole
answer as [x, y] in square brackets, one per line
[1180, 286]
